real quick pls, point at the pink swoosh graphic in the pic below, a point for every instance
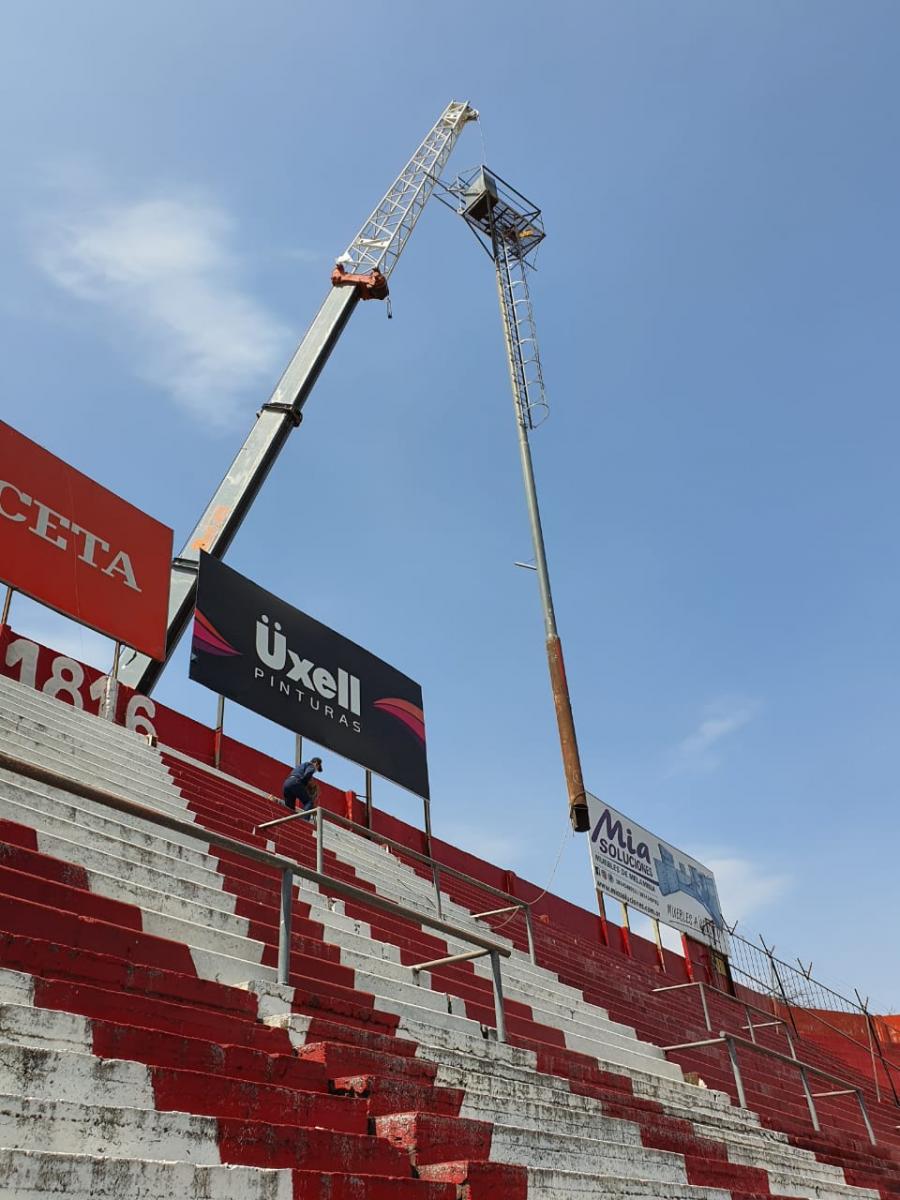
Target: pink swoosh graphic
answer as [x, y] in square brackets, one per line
[208, 638]
[411, 716]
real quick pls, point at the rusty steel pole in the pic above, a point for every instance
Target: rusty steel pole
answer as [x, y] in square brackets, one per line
[509, 227]
[568, 742]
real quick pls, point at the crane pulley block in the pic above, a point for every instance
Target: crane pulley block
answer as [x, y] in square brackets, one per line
[371, 286]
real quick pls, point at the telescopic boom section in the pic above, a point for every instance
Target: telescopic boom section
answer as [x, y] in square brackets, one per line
[366, 267]
[510, 228]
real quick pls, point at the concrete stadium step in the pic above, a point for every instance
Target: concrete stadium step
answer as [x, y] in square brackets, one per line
[36, 1175]
[551, 1107]
[232, 946]
[33, 1175]
[580, 1035]
[616, 1119]
[74, 1128]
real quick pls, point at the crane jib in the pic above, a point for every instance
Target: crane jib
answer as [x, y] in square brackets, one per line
[372, 253]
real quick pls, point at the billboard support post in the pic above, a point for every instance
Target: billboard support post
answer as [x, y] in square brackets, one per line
[111, 688]
[426, 804]
[220, 724]
[657, 934]
[368, 799]
[298, 749]
[7, 600]
[626, 928]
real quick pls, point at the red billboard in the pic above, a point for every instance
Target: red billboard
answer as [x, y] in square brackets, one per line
[69, 543]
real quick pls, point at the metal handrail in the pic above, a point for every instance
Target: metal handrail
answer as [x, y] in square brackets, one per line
[289, 869]
[437, 868]
[704, 987]
[732, 1041]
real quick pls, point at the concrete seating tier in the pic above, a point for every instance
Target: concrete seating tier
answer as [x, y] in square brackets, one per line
[147, 1051]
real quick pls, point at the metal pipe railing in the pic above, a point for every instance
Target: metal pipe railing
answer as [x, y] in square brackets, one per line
[703, 987]
[288, 868]
[320, 815]
[731, 1042]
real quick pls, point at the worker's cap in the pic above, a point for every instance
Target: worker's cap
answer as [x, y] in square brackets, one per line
[318, 763]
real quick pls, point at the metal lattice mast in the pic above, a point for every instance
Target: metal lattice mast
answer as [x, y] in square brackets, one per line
[510, 228]
[375, 250]
[380, 242]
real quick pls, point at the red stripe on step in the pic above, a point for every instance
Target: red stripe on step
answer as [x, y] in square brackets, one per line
[17, 835]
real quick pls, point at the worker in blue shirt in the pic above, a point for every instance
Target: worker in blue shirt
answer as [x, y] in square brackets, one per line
[300, 785]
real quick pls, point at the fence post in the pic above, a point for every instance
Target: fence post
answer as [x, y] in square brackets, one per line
[809, 1100]
[774, 974]
[498, 996]
[320, 842]
[284, 928]
[875, 1042]
[736, 1071]
[436, 880]
[530, 931]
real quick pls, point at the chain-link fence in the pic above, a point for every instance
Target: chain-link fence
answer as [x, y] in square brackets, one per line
[816, 1009]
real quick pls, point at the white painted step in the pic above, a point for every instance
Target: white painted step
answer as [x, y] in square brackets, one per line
[37, 1175]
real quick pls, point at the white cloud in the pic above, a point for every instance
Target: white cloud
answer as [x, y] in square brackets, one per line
[163, 269]
[744, 886]
[698, 753]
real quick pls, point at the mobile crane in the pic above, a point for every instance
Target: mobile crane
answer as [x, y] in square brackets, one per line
[361, 273]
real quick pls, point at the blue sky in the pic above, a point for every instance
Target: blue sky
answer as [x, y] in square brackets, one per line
[717, 306]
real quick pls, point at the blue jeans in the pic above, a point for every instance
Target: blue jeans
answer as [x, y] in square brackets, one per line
[292, 792]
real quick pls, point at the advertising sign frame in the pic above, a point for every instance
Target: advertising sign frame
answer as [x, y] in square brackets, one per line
[72, 544]
[257, 649]
[634, 866]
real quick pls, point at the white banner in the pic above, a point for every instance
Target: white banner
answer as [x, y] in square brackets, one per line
[634, 866]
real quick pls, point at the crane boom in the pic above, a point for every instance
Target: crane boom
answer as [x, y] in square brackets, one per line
[373, 252]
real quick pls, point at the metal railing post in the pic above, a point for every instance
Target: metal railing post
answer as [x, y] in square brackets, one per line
[865, 1116]
[284, 928]
[702, 988]
[529, 928]
[498, 996]
[736, 1071]
[436, 880]
[320, 842]
[811, 1104]
[790, 1039]
[750, 1026]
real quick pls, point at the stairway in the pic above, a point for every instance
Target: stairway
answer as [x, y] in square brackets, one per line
[147, 1051]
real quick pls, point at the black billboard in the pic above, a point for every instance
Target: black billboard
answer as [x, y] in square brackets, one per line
[252, 647]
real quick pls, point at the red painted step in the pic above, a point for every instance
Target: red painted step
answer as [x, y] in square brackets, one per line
[192, 1091]
[481, 1180]
[258, 1144]
[316, 1185]
[391, 1095]
[340, 1059]
[429, 1138]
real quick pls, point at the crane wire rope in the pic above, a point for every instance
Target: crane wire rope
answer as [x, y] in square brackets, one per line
[568, 833]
